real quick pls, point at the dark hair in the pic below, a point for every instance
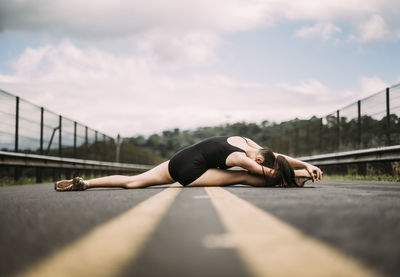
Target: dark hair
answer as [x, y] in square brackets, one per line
[269, 157]
[283, 172]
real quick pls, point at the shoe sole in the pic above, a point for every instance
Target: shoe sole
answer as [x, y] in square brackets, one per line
[62, 188]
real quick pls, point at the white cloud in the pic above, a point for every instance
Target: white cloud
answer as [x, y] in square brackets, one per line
[367, 20]
[367, 86]
[327, 10]
[325, 31]
[311, 87]
[370, 85]
[130, 95]
[185, 49]
[176, 32]
[124, 18]
[374, 29]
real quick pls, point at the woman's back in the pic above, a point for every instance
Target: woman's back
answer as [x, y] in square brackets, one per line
[215, 150]
[191, 162]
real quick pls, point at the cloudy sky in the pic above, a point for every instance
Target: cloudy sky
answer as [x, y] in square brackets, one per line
[140, 67]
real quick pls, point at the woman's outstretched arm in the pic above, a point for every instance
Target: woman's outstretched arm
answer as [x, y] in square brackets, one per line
[314, 171]
[253, 167]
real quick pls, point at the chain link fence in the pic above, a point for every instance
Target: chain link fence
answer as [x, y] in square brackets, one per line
[367, 123]
[28, 128]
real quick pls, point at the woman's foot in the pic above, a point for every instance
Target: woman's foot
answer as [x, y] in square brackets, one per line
[76, 183]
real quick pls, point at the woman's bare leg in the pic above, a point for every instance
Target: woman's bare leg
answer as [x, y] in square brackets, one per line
[220, 177]
[160, 175]
[155, 176]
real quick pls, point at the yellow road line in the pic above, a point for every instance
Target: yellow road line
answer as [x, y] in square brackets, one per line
[109, 247]
[270, 247]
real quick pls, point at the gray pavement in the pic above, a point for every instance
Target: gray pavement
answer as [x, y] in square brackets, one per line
[361, 219]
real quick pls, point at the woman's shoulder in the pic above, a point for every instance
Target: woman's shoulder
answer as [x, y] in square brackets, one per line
[237, 140]
[236, 158]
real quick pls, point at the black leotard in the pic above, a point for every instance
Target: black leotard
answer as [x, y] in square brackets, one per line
[191, 162]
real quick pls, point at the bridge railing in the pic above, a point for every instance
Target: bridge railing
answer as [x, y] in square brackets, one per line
[368, 123]
[379, 154]
[28, 128]
[61, 166]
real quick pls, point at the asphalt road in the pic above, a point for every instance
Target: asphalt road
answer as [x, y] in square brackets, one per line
[361, 220]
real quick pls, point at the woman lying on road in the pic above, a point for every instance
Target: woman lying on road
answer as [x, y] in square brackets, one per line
[205, 164]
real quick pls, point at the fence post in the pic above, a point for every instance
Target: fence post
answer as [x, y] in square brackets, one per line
[359, 124]
[16, 168]
[388, 116]
[60, 136]
[39, 169]
[41, 130]
[321, 125]
[16, 123]
[308, 144]
[118, 148]
[86, 142]
[104, 148]
[75, 139]
[338, 129]
[96, 146]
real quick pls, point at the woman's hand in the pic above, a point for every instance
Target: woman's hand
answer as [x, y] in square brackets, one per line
[315, 172]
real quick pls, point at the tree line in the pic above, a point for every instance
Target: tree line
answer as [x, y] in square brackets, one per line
[294, 137]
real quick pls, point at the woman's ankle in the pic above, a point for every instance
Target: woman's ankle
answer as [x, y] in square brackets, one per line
[87, 184]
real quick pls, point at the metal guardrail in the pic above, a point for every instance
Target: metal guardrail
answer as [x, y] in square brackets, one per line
[379, 154]
[41, 161]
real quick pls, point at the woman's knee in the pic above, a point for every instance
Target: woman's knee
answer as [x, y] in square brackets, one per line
[134, 184]
[130, 182]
